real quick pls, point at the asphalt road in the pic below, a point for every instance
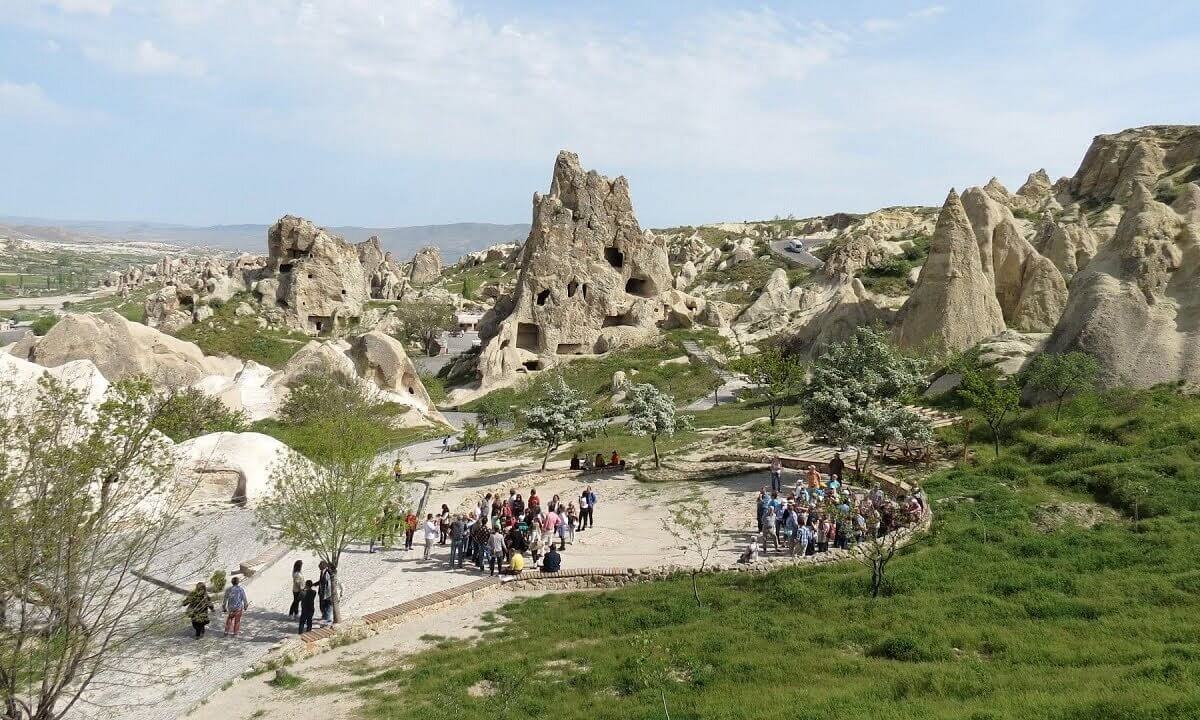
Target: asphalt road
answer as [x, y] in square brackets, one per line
[779, 247]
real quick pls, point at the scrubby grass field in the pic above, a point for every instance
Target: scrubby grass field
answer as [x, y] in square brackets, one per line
[1072, 624]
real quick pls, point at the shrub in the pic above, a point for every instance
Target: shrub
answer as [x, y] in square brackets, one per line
[42, 324]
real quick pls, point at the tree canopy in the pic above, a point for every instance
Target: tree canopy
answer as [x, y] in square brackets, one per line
[560, 415]
[652, 413]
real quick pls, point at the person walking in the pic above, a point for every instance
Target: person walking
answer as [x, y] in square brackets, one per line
[297, 588]
[198, 605]
[573, 520]
[234, 604]
[431, 535]
[308, 598]
[443, 524]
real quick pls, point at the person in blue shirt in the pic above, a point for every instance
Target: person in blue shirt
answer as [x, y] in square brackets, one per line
[552, 562]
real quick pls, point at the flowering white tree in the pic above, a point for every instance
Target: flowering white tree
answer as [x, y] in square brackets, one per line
[652, 414]
[560, 415]
[880, 422]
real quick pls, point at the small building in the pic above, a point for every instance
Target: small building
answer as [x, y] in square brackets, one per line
[468, 321]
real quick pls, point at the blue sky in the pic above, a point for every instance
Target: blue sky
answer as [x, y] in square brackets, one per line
[368, 112]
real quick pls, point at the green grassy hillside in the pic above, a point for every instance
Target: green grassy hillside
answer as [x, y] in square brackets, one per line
[992, 616]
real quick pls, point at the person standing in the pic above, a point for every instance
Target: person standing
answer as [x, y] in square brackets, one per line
[587, 512]
[776, 474]
[297, 588]
[768, 530]
[458, 541]
[198, 606]
[398, 469]
[431, 535]
[444, 524]
[573, 518]
[410, 528]
[498, 550]
[308, 598]
[325, 592]
[837, 466]
[234, 604]
[481, 536]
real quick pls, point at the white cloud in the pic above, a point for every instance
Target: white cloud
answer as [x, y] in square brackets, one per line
[29, 102]
[145, 58]
[877, 25]
[82, 7]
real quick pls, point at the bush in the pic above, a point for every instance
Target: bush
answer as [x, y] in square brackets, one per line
[42, 324]
[908, 648]
[191, 413]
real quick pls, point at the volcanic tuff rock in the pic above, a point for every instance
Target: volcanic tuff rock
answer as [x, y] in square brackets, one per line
[590, 278]
[1136, 306]
[322, 284]
[1030, 289]
[1115, 164]
[953, 305]
[1068, 245]
[1035, 192]
[121, 349]
[426, 266]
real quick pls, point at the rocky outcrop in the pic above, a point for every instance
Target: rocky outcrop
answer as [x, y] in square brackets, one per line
[382, 360]
[830, 312]
[321, 283]
[1116, 164]
[383, 274]
[1136, 306]
[163, 311]
[123, 349]
[82, 376]
[228, 466]
[426, 266]
[1035, 192]
[1030, 289]
[1068, 245]
[953, 305]
[590, 278]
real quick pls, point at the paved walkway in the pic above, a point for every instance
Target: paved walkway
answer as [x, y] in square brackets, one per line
[731, 383]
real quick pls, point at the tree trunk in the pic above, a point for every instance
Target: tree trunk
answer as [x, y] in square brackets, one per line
[876, 578]
[546, 457]
[775, 412]
[1058, 407]
[696, 589]
[996, 440]
[475, 452]
[654, 444]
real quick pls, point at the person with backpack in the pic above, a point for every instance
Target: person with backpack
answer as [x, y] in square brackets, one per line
[587, 508]
[198, 605]
[497, 550]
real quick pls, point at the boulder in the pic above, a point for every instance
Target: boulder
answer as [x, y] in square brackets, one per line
[953, 305]
[121, 349]
[229, 466]
[163, 312]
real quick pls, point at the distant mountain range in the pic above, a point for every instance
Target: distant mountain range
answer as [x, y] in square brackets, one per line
[453, 240]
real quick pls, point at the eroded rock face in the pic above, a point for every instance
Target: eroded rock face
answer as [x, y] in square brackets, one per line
[1030, 289]
[322, 284]
[1116, 164]
[381, 359]
[590, 278]
[1035, 192]
[122, 349]
[384, 276]
[1068, 245]
[426, 266]
[1136, 306]
[953, 305]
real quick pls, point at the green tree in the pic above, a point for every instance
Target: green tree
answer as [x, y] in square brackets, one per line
[491, 410]
[473, 437]
[856, 390]
[993, 397]
[88, 509]
[776, 377]
[559, 416]
[191, 413]
[1062, 374]
[696, 524]
[652, 414]
[324, 506]
[42, 324]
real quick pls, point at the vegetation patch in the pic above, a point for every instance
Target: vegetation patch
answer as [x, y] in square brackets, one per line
[227, 334]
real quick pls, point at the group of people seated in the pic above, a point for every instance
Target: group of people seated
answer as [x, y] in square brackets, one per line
[822, 514]
[587, 464]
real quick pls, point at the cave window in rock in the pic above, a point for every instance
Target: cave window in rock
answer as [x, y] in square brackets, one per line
[639, 286]
[614, 257]
[583, 289]
[543, 296]
[622, 320]
[322, 325]
[527, 336]
[570, 349]
[310, 276]
[531, 365]
[285, 268]
[572, 288]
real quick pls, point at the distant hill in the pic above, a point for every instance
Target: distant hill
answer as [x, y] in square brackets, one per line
[453, 239]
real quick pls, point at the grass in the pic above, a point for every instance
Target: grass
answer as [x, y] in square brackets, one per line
[304, 438]
[593, 375]
[891, 276]
[226, 334]
[1065, 625]
[285, 680]
[132, 307]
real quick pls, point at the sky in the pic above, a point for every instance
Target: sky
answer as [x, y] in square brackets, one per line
[384, 113]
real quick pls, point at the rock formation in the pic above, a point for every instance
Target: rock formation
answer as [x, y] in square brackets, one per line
[590, 278]
[1035, 192]
[1136, 306]
[122, 349]
[1070, 246]
[228, 465]
[953, 305]
[386, 279]
[1115, 164]
[426, 266]
[1030, 289]
[321, 282]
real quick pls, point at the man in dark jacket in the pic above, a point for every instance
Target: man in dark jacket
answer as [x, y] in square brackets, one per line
[552, 562]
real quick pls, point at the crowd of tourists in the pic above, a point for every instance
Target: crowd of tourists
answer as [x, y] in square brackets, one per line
[819, 512]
